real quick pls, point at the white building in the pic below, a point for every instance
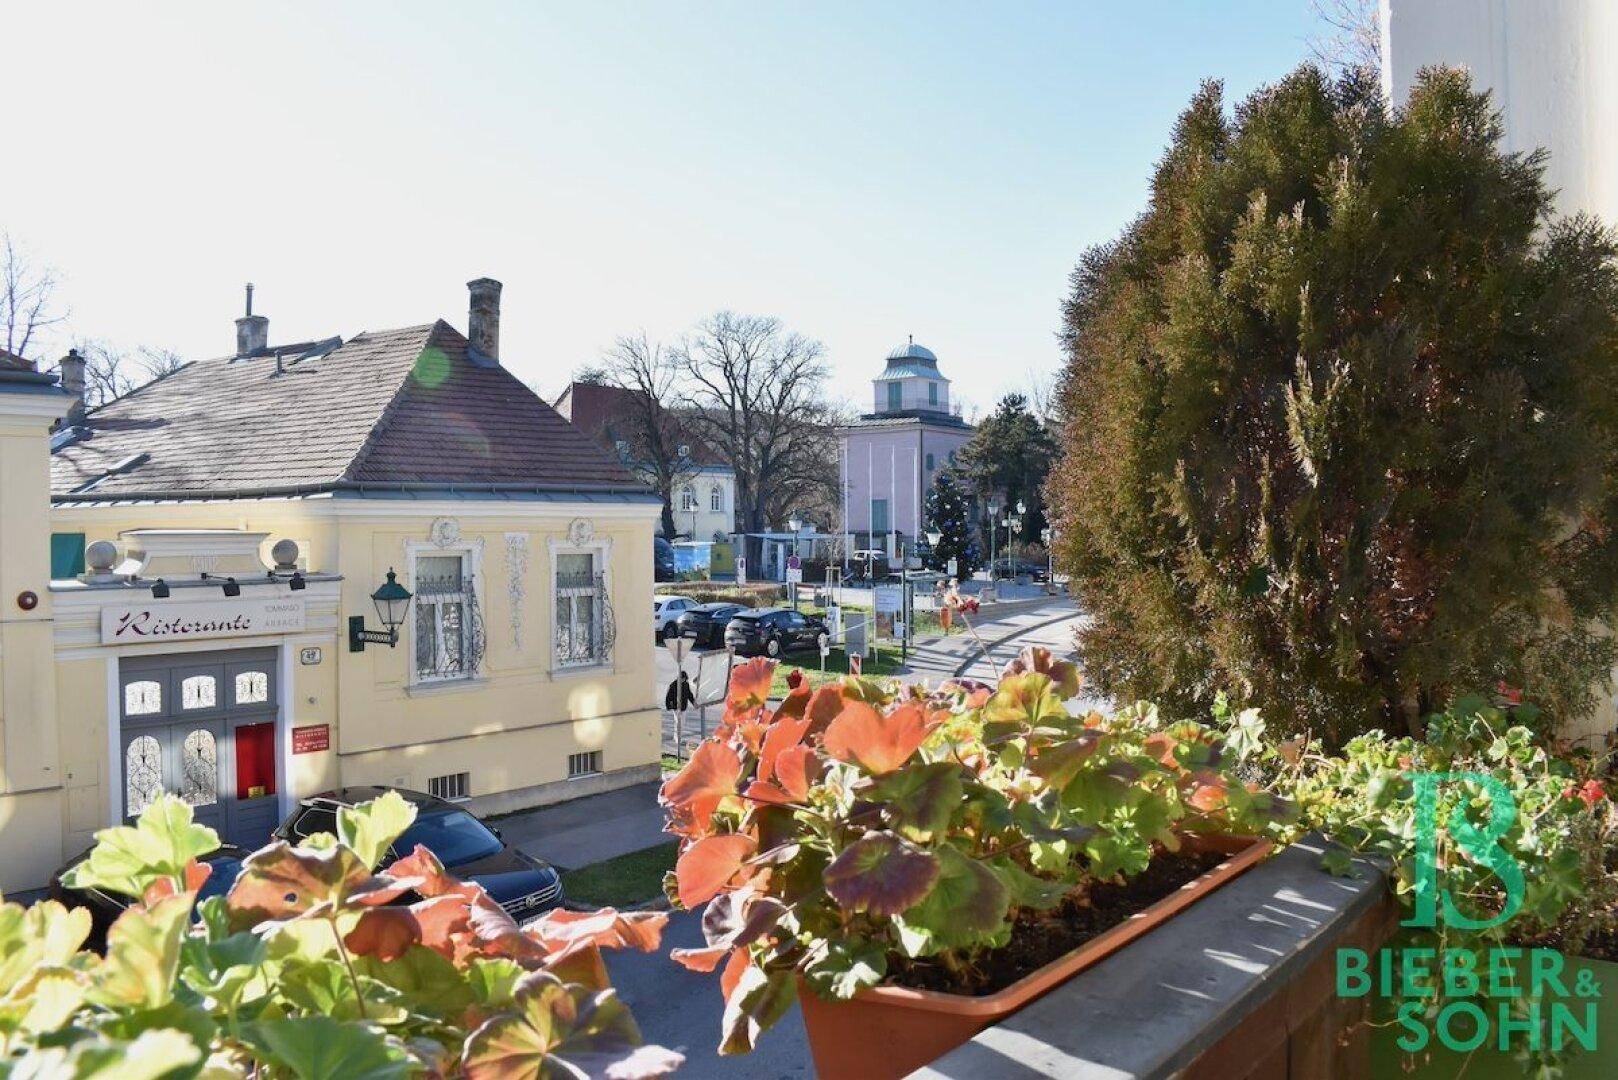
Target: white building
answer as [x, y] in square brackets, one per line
[1550, 65]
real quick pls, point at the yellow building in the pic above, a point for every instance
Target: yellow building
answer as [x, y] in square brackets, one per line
[217, 537]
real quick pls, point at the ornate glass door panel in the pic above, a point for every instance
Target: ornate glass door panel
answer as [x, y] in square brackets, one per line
[144, 772]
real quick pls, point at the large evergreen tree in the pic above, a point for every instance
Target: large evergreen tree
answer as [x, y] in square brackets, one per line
[1340, 416]
[949, 510]
[1007, 460]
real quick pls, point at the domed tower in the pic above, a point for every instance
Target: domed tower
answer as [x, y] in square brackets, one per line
[892, 454]
[911, 381]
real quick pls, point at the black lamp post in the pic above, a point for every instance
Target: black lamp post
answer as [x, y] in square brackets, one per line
[392, 600]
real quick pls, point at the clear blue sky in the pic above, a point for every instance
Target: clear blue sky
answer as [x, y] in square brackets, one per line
[863, 171]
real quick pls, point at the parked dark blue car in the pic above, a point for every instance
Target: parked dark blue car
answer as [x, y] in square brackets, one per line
[469, 849]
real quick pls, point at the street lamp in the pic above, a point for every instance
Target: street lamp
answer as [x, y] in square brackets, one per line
[795, 523]
[392, 600]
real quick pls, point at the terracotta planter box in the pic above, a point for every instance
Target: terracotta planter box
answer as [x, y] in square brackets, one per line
[890, 1031]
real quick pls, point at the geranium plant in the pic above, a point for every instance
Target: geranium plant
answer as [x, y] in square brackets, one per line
[867, 829]
[313, 965]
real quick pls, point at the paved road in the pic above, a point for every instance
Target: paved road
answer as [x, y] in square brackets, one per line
[681, 1010]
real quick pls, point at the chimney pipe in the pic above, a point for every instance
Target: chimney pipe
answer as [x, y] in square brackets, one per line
[483, 321]
[252, 331]
[72, 367]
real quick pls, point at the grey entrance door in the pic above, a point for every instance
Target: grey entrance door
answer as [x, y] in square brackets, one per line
[202, 726]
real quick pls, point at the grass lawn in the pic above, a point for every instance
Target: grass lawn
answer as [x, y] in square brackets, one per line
[628, 879]
[884, 662]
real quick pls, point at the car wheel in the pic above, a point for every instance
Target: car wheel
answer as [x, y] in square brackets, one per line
[772, 647]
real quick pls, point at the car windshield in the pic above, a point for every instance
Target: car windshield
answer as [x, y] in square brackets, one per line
[455, 836]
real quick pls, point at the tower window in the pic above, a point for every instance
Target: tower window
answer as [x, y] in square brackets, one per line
[895, 400]
[932, 393]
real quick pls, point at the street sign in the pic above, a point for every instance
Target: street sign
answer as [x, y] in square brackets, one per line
[678, 647]
[954, 569]
[794, 575]
[889, 599]
[741, 569]
[794, 563]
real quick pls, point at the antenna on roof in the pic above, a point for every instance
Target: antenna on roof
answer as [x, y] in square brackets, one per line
[249, 298]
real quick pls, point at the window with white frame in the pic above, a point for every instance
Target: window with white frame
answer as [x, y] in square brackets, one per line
[584, 623]
[716, 499]
[449, 639]
[688, 499]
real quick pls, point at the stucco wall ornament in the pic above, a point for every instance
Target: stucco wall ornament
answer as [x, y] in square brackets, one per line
[444, 532]
[580, 531]
[516, 583]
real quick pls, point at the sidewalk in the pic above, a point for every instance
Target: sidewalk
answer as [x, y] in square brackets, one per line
[584, 831]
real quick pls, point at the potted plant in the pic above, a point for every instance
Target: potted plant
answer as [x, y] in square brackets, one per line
[914, 866]
[316, 962]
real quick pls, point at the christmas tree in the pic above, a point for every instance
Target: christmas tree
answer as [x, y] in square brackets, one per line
[949, 511]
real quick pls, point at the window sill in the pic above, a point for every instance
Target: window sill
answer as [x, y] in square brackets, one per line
[432, 687]
[563, 671]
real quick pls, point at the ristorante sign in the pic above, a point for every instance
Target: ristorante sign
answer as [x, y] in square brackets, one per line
[123, 624]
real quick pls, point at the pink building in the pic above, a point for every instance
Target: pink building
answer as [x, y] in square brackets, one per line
[892, 454]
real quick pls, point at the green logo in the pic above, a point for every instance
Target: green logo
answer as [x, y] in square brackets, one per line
[1481, 845]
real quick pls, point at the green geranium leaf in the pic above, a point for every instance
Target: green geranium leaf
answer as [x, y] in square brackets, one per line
[1337, 861]
[759, 999]
[320, 1048]
[881, 873]
[967, 905]
[920, 798]
[143, 954]
[44, 1000]
[154, 1055]
[325, 989]
[846, 968]
[371, 827]
[562, 1029]
[431, 984]
[1057, 765]
[46, 933]
[130, 858]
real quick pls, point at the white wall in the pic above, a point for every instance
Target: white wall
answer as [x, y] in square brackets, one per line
[1552, 66]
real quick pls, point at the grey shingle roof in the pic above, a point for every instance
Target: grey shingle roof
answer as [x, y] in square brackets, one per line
[390, 407]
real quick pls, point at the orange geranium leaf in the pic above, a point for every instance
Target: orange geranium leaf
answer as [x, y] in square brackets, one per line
[784, 734]
[749, 684]
[1161, 746]
[608, 928]
[384, 932]
[796, 768]
[707, 866]
[692, 793]
[878, 743]
[705, 958]
[1209, 794]
[824, 705]
[733, 973]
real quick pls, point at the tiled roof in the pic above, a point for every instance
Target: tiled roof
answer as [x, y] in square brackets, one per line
[592, 407]
[11, 361]
[391, 407]
[931, 417]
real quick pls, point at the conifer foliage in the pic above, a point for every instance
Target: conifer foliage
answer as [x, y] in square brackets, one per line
[1340, 416]
[949, 510]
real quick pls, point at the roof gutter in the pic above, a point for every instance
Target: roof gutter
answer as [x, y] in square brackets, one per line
[360, 487]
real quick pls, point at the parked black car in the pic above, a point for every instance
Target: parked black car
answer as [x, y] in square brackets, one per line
[469, 849]
[224, 864]
[705, 624]
[1010, 568]
[662, 559]
[773, 631]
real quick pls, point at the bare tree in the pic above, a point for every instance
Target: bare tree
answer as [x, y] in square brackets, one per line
[1351, 39]
[27, 298]
[110, 372]
[755, 392]
[648, 431]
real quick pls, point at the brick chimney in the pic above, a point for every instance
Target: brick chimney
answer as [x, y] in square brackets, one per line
[72, 369]
[483, 321]
[252, 331]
